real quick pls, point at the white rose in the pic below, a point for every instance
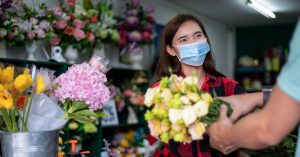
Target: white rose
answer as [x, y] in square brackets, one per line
[185, 100]
[201, 108]
[189, 115]
[196, 131]
[149, 96]
[166, 95]
[194, 97]
[175, 115]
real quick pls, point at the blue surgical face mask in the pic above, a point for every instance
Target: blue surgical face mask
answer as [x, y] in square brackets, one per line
[193, 54]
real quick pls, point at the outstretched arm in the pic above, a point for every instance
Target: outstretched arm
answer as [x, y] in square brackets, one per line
[243, 103]
[260, 129]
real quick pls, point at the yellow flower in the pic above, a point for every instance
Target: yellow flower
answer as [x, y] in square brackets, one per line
[8, 86]
[207, 98]
[60, 140]
[6, 100]
[7, 75]
[40, 85]
[197, 130]
[22, 82]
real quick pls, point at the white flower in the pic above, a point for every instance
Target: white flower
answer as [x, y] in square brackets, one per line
[3, 32]
[196, 131]
[189, 115]
[149, 96]
[185, 100]
[166, 95]
[175, 115]
[207, 98]
[194, 97]
[201, 108]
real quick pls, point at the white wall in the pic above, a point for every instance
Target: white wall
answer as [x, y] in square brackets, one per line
[221, 38]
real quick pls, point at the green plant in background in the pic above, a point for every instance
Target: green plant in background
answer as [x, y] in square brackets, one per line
[286, 148]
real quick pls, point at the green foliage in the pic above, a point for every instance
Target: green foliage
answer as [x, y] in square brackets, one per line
[213, 113]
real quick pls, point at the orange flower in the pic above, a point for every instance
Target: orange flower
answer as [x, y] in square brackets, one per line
[69, 30]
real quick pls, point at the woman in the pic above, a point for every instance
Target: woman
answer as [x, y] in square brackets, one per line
[186, 49]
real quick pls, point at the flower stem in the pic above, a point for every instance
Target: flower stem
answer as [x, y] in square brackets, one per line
[29, 106]
[7, 120]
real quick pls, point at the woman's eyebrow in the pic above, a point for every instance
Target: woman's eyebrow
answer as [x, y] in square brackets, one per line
[181, 37]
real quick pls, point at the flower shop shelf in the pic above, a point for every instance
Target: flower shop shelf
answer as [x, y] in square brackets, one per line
[139, 124]
[58, 67]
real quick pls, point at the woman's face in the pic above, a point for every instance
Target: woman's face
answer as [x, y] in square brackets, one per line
[189, 32]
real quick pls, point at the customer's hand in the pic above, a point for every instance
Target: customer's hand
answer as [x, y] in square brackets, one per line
[243, 104]
[218, 132]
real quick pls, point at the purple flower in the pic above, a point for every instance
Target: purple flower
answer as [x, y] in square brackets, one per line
[41, 34]
[33, 21]
[44, 25]
[132, 21]
[10, 36]
[150, 9]
[133, 12]
[30, 35]
[135, 36]
[135, 2]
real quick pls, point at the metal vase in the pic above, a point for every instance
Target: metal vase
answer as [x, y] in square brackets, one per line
[30, 144]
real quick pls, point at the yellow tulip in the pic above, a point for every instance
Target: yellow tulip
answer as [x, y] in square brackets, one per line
[7, 74]
[40, 85]
[8, 86]
[22, 82]
[6, 100]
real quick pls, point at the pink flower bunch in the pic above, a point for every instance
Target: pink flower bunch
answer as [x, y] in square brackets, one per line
[135, 25]
[83, 82]
[71, 29]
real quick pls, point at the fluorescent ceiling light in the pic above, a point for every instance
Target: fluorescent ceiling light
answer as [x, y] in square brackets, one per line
[261, 8]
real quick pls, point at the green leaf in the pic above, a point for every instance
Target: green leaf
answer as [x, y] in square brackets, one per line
[86, 112]
[101, 114]
[76, 105]
[80, 118]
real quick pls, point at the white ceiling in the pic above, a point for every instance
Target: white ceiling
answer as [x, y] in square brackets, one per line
[237, 13]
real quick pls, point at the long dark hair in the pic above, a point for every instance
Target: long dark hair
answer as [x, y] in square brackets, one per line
[165, 60]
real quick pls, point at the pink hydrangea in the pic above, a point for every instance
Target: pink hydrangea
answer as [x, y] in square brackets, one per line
[82, 82]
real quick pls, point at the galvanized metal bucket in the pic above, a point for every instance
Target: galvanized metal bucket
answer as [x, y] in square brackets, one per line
[30, 144]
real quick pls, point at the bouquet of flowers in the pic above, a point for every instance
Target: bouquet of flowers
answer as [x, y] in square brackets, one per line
[80, 25]
[35, 22]
[82, 91]
[180, 111]
[9, 30]
[135, 26]
[17, 92]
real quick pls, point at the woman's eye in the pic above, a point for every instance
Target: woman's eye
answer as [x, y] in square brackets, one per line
[198, 36]
[183, 41]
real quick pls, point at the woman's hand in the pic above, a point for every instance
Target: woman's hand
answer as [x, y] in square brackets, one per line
[243, 103]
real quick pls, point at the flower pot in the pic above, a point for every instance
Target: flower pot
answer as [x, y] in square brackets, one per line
[2, 49]
[30, 144]
[71, 54]
[31, 48]
[136, 60]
